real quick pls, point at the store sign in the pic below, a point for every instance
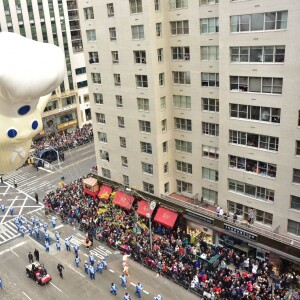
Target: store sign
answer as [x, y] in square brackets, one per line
[240, 232]
[200, 217]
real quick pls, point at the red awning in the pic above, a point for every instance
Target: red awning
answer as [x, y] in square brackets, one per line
[123, 200]
[166, 217]
[104, 192]
[143, 208]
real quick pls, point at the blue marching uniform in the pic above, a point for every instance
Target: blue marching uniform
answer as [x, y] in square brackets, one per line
[53, 222]
[47, 246]
[138, 290]
[86, 268]
[158, 297]
[92, 259]
[57, 245]
[113, 289]
[92, 272]
[67, 243]
[100, 267]
[123, 281]
[104, 264]
[76, 249]
[77, 261]
[0, 283]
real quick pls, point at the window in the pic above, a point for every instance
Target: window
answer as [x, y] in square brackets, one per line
[257, 113]
[293, 227]
[259, 22]
[119, 101]
[184, 187]
[110, 9]
[182, 78]
[139, 57]
[253, 191]
[98, 98]
[141, 81]
[100, 118]
[210, 152]
[102, 137]
[125, 180]
[146, 147]
[209, 2]
[184, 167]
[96, 78]
[239, 209]
[115, 57]
[183, 146]
[209, 25]
[104, 155]
[180, 53]
[166, 187]
[80, 71]
[211, 105]
[295, 202]
[106, 173]
[91, 35]
[165, 147]
[135, 6]
[121, 122]
[93, 57]
[173, 4]
[164, 125]
[183, 124]
[183, 102]
[209, 52]
[147, 168]
[145, 126]
[210, 174]
[82, 84]
[148, 187]
[161, 79]
[166, 167]
[124, 161]
[297, 147]
[210, 129]
[296, 175]
[210, 196]
[137, 32]
[257, 54]
[298, 117]
[122, 142]
[253, 140]
[112, 34]
[210, 79]
[117, 79]
[158, 30]
[143, 104]
[264, 217]
[160, 57]
[179, 27]
[156, 5]
[88, 13]
[253, 166]
[162, 103]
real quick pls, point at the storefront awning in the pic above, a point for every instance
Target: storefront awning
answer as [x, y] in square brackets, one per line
[143, 208]
[123, 200]
[166, 217]
[90, 181]
[104, 192]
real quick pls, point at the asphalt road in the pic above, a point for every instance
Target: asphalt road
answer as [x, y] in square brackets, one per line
[76, 283]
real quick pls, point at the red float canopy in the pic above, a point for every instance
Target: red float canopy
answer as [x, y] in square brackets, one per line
[143, 208]
[104, 192]
[166, 217]
[123, 200]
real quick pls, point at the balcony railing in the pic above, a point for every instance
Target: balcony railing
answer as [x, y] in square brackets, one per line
[265, 232]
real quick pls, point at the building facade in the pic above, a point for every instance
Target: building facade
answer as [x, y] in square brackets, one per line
[55, 22]
[199, 98]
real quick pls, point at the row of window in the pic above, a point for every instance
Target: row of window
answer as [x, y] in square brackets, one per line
[255, 54]
[268, 85]
[242, 23]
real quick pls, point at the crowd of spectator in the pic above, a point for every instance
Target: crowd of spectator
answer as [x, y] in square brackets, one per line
[232, 276]
[65, 141]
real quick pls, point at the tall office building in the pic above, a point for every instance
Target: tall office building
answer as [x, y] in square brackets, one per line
[55, 22]
[199, 98]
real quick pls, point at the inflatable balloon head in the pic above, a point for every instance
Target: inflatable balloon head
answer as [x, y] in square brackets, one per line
[29, 72]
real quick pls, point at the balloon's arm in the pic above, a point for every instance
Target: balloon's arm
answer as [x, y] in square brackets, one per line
[42, 103]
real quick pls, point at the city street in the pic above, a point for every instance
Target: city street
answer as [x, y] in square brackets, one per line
[76, 283]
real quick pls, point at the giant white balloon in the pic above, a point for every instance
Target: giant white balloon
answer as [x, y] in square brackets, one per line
[29, 72]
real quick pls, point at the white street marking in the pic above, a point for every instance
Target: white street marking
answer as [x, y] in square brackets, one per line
[76, 271]
[59, 226]
[111, 270]
[27, 296]
[145, 292]
[55, 286]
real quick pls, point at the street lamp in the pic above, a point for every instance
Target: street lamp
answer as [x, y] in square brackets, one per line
[151, 206]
